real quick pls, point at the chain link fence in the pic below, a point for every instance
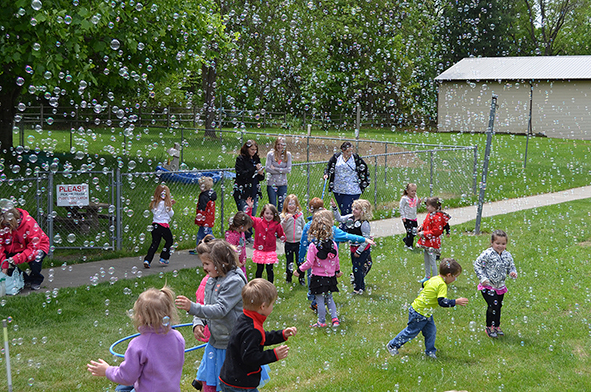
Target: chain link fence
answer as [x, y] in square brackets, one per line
[118, 217]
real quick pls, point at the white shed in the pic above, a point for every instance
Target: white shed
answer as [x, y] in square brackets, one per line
[559, 86]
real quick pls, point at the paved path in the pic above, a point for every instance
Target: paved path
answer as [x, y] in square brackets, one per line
[129, 267]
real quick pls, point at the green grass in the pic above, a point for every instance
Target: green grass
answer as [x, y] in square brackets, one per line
[545, 317]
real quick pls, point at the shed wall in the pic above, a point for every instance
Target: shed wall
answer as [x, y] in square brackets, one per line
[560, 108]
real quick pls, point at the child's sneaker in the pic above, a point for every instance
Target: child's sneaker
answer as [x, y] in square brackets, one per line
[314, 307]
[146, 264]
[392, 350]
[431, 355]
[491, 332]
[499, 331]
[358, 292]
[163, 261]
[426, 278]
[336, 322]
[319, 325]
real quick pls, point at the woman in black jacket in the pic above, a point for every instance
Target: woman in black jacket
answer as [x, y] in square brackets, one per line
[249, 173]
[347, 175]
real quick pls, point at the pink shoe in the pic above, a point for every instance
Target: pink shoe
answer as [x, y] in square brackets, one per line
[336, 322]
[318, 325]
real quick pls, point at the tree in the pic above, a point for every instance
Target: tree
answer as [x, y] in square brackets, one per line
[545, 25]
[98, 51]
[471, 28]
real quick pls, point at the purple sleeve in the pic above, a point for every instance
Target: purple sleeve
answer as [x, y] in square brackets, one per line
[131, 368]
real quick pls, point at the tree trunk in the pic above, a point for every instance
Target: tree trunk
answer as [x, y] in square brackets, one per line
[209, 84]
[8, 101]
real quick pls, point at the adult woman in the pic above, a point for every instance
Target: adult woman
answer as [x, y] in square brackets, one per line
[348, 177]
[249, 173]
[278, 165]
[21, 241]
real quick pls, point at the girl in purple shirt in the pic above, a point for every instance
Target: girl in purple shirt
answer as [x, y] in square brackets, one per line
[154, 360]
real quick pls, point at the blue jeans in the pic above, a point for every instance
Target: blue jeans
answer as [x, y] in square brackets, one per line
[359, 268]
[277, 195]
[124, 388]
[202, 232]
[345, 202]
[417, 323]
[227, 388]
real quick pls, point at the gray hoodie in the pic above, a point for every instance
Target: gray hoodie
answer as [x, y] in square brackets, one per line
[222, 307]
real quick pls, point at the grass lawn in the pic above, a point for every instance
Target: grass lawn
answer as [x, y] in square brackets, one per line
[545, 318]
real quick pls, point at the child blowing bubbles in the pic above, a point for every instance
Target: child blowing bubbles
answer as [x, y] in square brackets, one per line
[154, 360]
[221, 308]
[492, 267]
[420, 314]
[245, 355]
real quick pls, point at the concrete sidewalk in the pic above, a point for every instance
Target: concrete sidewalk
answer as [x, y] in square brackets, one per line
[131, 267]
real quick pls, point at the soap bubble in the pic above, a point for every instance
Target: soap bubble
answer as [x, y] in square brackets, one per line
[165, 321]
[115, 44]
[36, 5]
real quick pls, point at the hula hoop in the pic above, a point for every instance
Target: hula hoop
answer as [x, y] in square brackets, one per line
[112, 351]
[324, 188]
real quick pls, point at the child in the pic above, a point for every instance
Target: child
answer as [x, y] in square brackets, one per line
[245, 354]
[266, 228]
[221, 308]
[492, 267]
[292, 221]
[21, 241]
[430, 235]
[408, 212]
[240, 223]
[420, 314]
[205, 214]
[161, 207]
[153, 360]
[323, 260]
[357, 223]
[314, 206]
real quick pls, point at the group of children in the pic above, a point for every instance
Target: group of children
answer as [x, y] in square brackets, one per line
[234, 309]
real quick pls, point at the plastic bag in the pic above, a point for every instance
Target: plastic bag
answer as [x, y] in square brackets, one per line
[14, 283]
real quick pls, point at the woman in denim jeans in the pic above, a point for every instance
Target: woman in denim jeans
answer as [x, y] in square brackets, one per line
[278, 165]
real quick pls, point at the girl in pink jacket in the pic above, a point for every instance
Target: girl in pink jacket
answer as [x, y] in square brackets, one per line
[267, 229]
[323, 259]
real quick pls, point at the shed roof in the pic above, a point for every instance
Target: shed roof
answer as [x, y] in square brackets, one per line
[519, 68]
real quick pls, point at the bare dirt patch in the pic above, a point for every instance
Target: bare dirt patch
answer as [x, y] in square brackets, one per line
[322, 149]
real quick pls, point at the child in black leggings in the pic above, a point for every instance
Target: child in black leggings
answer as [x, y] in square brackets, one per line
[492, 267]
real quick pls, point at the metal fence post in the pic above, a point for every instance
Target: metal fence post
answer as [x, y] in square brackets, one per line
[222, 191]
[182, 140]
[431, 175]
[489, 133]
[308, 164]
[375, 184]
[118, 220]
[50, 211]
[475, 170]
[385, 164]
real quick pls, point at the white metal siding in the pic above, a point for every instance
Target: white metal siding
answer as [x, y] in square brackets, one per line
[560, 108]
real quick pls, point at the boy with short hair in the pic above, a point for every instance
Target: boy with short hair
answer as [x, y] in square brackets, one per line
[420, 314]
[241, 370]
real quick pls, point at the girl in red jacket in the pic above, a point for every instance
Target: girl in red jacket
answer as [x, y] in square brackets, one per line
[21, 241]
[430, 235]
[267, 229]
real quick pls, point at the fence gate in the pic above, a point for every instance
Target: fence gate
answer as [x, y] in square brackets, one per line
[79, 210]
